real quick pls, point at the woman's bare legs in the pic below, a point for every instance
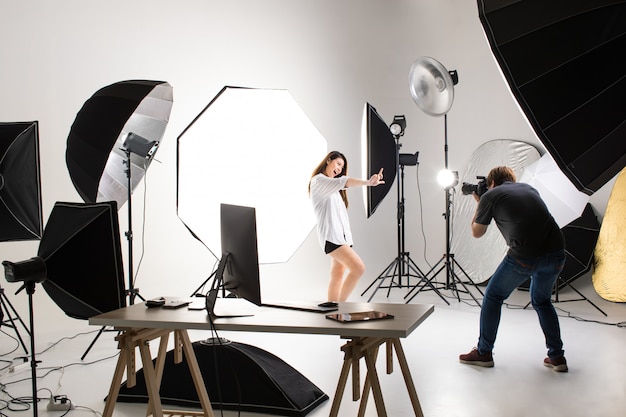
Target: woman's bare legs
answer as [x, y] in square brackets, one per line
[344, 259]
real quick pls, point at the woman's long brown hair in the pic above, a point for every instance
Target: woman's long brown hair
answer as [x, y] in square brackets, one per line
[321, 168]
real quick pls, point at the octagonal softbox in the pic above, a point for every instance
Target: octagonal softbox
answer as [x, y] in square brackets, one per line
[255, 148]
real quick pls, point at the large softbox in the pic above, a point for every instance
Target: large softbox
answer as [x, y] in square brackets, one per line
[237, 377]
[378, 150]
[20, 182]
[81, 248]
[563, 61]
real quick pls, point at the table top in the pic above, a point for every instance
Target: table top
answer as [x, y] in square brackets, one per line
[275, 320]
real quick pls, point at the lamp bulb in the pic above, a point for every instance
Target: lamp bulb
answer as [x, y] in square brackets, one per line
[446, 178]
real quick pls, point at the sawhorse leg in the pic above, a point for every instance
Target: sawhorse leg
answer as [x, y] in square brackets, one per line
[367, 348]
[130, 339]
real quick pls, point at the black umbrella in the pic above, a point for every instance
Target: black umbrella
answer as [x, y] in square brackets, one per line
[563, 63]
[95, 157]
[581, 236]
[20, 182]
[81, 249]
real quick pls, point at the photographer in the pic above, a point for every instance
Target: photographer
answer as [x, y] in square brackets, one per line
[536, 251]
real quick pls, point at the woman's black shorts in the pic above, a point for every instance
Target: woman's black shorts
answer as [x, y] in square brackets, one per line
[329, 247]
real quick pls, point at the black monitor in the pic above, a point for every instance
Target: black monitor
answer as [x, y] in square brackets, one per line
[378, 151]
[238, 270]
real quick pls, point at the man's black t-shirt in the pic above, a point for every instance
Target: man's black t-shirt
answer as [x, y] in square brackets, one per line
[522, 217]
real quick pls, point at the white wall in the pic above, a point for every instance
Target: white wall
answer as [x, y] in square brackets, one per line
[332, 55]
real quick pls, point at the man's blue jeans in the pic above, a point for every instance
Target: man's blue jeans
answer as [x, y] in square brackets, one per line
[513, 271]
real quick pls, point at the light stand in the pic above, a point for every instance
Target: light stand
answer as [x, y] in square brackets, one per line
[448, 260]
[402, 266]
[432, 89]
[31, 272]
[7, 308]
[556, 299]
[145, 149]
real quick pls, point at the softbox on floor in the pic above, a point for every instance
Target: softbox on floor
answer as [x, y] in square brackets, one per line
[237, 377]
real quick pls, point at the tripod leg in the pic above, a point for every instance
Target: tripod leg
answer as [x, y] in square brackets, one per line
[382, 277]
[467, 276]
[428, 281]
[5, 304]
[393, 266]
[92, 343]
[583, 297]
[455, 279]
[413, 265]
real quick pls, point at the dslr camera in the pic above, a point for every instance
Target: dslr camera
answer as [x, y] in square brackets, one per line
[479, 189]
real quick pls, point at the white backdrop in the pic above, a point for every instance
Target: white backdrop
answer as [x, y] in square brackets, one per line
[331, 55]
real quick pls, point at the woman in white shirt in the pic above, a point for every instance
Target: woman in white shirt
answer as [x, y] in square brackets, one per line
[327, 189]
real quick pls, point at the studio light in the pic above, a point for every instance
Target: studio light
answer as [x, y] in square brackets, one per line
[398, 125]
[447, 178]
[33, 269]
[112, 142]
[409, 159]
[140, 146]
[79, 261]
[432, 89]
[380, 148]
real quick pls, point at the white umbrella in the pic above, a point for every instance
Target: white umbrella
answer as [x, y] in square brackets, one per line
[563, 199]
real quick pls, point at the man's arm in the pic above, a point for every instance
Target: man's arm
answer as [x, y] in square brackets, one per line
[478, 230]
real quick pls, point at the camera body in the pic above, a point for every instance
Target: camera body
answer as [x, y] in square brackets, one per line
[479, 189]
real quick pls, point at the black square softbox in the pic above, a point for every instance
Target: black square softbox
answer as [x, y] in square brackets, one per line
[20, 184]
[82, 251]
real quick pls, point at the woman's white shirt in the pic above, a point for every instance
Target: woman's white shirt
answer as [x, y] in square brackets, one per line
[333, 224]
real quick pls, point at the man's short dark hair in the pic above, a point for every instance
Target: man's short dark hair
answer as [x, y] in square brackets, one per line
[500, 175]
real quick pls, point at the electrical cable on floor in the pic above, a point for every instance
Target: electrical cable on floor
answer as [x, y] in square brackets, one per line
[18, 404]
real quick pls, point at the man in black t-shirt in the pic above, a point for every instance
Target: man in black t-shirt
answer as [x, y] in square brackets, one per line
[536, 251]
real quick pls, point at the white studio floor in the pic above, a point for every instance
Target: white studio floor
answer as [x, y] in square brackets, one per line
[518, 385]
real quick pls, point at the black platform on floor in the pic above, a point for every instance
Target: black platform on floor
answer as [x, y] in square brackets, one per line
[237, 377]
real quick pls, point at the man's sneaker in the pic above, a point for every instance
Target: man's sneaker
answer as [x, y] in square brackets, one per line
[558, 364]
[475, 358]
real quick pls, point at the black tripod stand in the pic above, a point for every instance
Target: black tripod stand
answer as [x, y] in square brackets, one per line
[402, 266]
[449, 263]
[131, 291]
[562, 282]
[6, 308]
[449, 266]
[30, 290]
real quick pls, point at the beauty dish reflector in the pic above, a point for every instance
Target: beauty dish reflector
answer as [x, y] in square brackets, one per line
[431, 86]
